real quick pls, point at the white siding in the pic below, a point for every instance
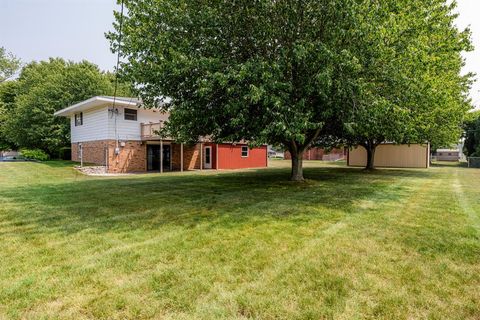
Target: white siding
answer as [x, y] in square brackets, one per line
[95, 126]
[99, 124]
[130, 130]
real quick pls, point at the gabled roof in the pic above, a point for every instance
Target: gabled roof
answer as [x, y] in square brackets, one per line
[97, 102]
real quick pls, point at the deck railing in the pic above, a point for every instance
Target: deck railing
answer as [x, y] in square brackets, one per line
[150, 130]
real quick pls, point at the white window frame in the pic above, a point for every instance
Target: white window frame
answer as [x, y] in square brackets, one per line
[248, 151]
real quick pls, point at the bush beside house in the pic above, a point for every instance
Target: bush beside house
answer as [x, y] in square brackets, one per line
[34, 154]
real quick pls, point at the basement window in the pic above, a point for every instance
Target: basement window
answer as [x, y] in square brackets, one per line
[244, 151]
[78, 119]
[131, 114]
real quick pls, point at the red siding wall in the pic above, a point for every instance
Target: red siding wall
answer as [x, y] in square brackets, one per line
[230, 157]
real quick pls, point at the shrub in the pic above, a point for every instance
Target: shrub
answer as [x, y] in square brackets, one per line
[34, 154]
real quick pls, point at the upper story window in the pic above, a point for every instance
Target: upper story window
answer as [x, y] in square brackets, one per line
[244, 151]
[131, 114]
[78, 119]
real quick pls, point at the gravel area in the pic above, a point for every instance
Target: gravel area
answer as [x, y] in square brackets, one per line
[93, 171]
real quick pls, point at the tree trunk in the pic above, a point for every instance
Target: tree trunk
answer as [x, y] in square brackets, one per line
[370, 157]
[297, 166]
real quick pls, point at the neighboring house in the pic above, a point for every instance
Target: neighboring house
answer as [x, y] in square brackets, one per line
[272, 153]
[393, 155]
[9, 155]
[125, 139]
[448, 155]
[321, 154]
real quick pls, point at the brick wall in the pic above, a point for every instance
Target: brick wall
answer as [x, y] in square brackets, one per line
[132, 156]
[191, 157]
[94, 152]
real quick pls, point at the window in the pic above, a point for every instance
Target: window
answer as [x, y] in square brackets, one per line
[131, 114]
[244, 151]
[78, 119]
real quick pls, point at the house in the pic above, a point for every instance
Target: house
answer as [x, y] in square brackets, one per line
[392, 155]
[125, 138]
[10, 155]
[321, 154]
[275, 154]
[448, 155]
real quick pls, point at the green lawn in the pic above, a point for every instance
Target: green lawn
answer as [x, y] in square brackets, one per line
[392, 244]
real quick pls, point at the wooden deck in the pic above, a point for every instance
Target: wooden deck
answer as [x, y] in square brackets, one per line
[150, 131]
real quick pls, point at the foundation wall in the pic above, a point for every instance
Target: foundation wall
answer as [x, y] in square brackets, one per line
[130, 158]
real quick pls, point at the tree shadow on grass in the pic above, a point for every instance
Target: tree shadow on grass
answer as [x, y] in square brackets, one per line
[147, 202]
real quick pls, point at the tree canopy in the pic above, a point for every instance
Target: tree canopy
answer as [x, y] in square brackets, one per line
[261, 71]
[41, 89]
[9, 64]
[410, 86]
[296, 73]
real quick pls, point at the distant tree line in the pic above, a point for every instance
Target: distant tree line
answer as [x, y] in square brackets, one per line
[27, 103]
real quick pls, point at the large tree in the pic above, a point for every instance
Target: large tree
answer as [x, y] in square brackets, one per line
[9, 64]
[43, 88]
[260, 71]
[298, 72]
[8, 91]
[410, 88]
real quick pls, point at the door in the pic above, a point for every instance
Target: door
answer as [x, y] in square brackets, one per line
[208, 158]
[166, 157]
[153, 157]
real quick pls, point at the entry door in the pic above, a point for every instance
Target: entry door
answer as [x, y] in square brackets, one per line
[153, 157]
[166, 157]
[208, 158]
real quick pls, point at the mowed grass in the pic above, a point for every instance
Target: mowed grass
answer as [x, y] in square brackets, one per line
[392, 244]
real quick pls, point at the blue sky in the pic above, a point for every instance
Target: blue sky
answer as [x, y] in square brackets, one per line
[74, 29]
[71, 29]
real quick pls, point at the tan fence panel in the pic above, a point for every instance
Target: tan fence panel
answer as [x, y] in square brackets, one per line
[393, 155]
